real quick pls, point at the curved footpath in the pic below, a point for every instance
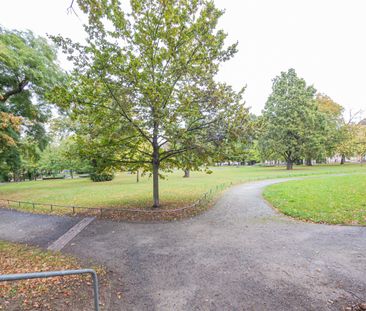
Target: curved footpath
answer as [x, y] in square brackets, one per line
[239, 255]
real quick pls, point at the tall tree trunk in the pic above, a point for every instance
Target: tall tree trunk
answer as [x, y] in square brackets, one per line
[155, 159]
[308, 162]
[289, 165]
[72, 174]
[186, 173]
[343, 159]
[155, 164]
[137, 176]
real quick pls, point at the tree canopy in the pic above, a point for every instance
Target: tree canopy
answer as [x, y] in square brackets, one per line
[143, 89]
[289, 116]
[28, 71]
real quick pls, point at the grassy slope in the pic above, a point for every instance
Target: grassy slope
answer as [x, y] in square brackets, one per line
[334, 200]
[123, 191]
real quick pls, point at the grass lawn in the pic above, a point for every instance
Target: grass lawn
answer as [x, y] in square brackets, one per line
[333, 200]
[58, 293]
[175, 191]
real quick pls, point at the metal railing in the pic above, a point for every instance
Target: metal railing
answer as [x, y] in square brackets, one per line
[204, 199]
[50, 274]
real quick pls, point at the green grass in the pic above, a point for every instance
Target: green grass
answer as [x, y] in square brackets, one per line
[333, 200]
[175, 191]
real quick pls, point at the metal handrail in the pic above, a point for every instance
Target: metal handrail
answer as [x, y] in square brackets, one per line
[48, 274]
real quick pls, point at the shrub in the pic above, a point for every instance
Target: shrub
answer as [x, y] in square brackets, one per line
[98, 177]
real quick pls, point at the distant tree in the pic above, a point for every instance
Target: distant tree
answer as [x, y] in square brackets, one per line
[347, 145]
[347, 137]
[30, 155]
[71, 158]
[288, 115]
[332, 116]
[52, 161]
[143, 74]
[361, 141]
[329, 106]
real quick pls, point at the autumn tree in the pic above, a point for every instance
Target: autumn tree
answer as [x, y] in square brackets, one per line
[28, 70]
[147, 77]
[361, 140]
[323, 136]
[332, 114]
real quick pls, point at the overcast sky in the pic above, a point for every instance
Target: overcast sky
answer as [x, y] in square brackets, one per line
[324, 40]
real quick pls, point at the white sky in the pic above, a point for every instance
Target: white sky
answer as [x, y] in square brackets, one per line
[324, 40]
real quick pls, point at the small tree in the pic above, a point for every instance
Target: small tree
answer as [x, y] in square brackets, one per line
[288, 115]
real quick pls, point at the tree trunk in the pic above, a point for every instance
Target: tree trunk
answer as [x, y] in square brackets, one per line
[137, 176]
[72, 174]
[155, 164]
[343, 159]
[289, 165]
[186, 173]
[308, 162]
[156, 181]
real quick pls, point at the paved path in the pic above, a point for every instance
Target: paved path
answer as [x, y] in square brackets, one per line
[40, 230]
[240, 255]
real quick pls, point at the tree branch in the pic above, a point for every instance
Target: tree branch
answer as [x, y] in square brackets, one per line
[18, 89]
[125, 114]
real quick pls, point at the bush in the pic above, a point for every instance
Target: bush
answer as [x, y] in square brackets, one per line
[97, 177]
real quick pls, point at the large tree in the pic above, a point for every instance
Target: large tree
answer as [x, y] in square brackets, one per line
[289, 116]
[146, 78]
[28, 70]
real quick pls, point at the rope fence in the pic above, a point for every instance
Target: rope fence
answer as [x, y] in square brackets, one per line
[204, 200]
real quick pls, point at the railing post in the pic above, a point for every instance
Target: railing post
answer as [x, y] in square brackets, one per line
[96, 293]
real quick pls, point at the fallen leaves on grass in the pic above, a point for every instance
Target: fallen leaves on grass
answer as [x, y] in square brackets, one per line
[40, 294]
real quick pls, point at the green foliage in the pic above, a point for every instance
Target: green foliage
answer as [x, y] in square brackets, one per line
[361, 141]
[328, 126]
[289, 118]
[143, 90]
[98, 177]
[63, 156]
[28, 70]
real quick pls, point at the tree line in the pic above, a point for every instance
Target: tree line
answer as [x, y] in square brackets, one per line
[143, 97]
